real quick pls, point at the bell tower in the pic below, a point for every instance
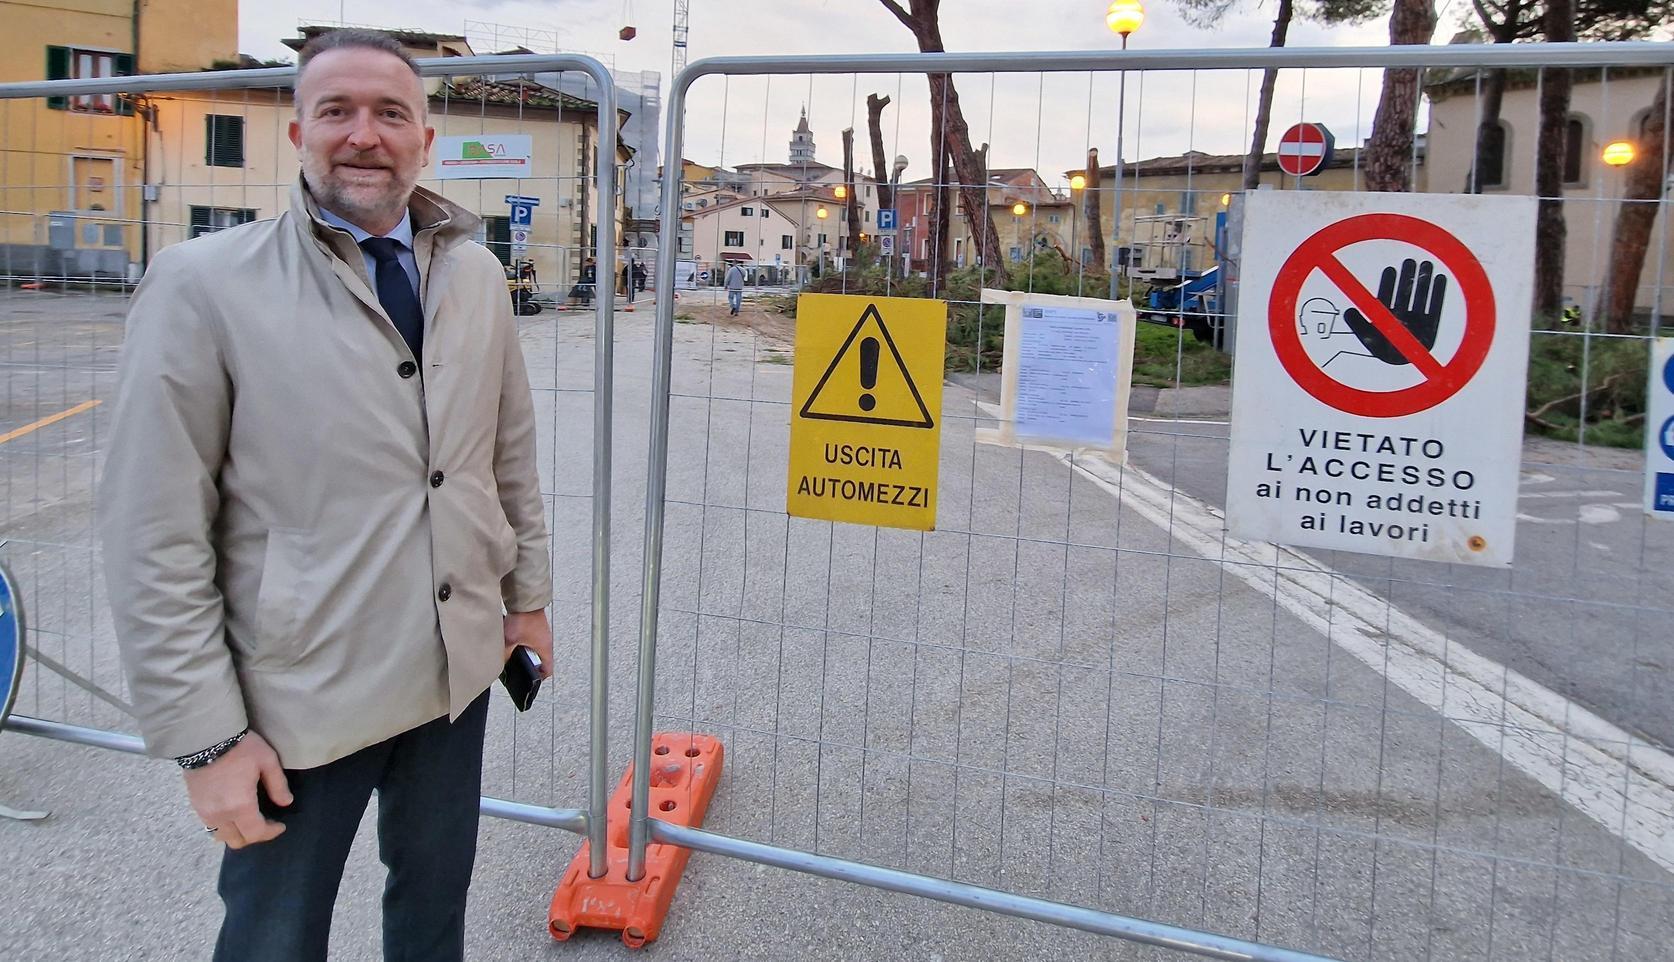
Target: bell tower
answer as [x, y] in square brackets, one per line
[802, 141]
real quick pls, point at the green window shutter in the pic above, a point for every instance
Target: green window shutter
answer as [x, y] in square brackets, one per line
[125, 68]
[223, 140]
[200, 222]
[58, 68]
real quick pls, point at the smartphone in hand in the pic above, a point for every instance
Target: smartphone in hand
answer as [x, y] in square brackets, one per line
[522, 677]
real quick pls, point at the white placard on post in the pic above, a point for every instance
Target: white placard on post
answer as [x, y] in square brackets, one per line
[1066, 372]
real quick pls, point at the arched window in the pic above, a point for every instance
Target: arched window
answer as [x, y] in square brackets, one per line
[1577, 146]
[1641, 123]
[1492, 141]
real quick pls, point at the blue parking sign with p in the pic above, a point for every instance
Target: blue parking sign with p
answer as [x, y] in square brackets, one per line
[886, 220]
[522, 215]
[12, 635]
[1659, 431]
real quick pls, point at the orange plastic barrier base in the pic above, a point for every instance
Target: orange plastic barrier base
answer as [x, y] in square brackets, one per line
[685, 768]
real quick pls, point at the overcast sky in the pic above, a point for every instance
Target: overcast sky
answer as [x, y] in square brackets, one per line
[1046, 122]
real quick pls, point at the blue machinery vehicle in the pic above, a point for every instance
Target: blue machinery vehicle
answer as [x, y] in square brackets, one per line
[1181, 296]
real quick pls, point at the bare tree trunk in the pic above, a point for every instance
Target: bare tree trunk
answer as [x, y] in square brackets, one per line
[851, 200]
[874, 126]
[1090, 205]
[1389, 150]
[1634, 219]
[923, 21]
[940, 244]
[1551, 233]
[1264, 105]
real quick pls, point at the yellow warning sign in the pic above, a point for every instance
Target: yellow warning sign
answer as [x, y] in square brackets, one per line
[866, 409]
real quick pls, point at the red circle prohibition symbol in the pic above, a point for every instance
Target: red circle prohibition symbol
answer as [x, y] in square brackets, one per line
[1441, 381]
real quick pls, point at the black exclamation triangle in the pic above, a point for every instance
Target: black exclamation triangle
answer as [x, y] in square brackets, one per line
[868, 372]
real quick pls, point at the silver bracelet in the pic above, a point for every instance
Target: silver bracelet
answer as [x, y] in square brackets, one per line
[200, 759]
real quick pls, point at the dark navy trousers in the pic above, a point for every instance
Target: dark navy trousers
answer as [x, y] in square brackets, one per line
[279, 895]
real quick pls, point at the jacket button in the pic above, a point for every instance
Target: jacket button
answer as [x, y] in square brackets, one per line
[445, 592]
[407, 369]
[436, 480]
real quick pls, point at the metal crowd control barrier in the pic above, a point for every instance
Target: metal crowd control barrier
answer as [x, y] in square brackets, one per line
[1384, 820]
[903, 710]
[62, 307]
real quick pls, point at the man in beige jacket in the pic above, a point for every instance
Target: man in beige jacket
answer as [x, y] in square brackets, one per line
[322, 521]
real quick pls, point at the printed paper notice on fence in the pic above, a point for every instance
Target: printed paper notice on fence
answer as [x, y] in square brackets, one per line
[1067, 374]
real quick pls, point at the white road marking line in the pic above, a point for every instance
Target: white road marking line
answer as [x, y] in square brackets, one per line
[1570, 494]
[1621, 782]
[1589, 514]
[1135, 417]
[1618, 780]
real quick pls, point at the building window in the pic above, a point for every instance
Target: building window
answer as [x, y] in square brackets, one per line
[496, 236]
[1492, 140]
[93, 184]
[223, 140]
[735, 238]
[867, 215]
[1575, 151]
[764, 213]
[1054, 218]
[748, 211]
[1016, 255]
[70, 63]
[1641, 123]
[786, 241]
[822, 240]
[208, 220]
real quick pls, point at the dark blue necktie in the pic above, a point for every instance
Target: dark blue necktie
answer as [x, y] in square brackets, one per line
[395, 291]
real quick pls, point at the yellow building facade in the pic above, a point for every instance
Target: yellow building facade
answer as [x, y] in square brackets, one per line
[91, 187]
[73, 170]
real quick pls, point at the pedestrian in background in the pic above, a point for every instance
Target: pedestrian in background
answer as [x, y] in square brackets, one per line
[322, 521]
[735, 288]
[584, 287]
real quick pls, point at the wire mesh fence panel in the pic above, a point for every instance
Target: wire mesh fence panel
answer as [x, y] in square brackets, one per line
[94, 186]
[1079, 686]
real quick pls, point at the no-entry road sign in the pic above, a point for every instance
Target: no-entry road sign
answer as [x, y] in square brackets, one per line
[1379, 381]
[1305, 149]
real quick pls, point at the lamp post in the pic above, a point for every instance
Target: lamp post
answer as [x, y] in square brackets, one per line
[904, 233]
[821, 213]
[1123, 17]
[1018, 210]
[1077, 184]
[1617, 154]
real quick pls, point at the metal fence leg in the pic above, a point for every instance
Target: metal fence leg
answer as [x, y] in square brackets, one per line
[656, 482]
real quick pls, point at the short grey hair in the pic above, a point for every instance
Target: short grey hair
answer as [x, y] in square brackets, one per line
[346, 39]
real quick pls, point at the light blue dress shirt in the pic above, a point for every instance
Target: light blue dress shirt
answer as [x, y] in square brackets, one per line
[402, 234]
